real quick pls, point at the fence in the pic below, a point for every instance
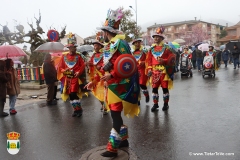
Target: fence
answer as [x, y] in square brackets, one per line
[30, 74]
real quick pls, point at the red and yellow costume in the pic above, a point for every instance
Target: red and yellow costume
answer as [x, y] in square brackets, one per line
[140, 56]
[71, 67]
[95, 73]
[160, 75]
[161, 72]
[75, 64]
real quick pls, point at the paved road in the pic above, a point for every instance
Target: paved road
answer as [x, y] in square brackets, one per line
[203, 118]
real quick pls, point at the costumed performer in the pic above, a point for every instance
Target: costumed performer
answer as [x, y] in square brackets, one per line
[71, 67]
[160, 67]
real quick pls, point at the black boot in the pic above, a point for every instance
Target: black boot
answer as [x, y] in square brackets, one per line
[74, 114]
[154, 108]
[147, 99]
[124, 143]
[4, 114]
[109, 154]
[165, 108]
[79, 113]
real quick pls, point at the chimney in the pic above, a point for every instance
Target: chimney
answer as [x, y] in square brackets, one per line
[155, 23]
[226, 24]
[195, 18]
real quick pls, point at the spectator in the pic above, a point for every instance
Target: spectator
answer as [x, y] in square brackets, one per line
[194, 58]
[50, 75]
[177, 60]
[4, 77]
[235, 54]
[225, 56]
[199, 58]
[13, 87]
[219, 57]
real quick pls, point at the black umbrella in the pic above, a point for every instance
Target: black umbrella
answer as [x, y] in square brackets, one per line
[229, 45]
[196, 45]
[85, 48]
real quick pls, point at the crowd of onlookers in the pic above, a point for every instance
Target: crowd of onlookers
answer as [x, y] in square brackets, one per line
[9, 85]
[224, 56]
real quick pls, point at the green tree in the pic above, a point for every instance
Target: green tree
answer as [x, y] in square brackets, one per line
[223, 33]
[128, 25]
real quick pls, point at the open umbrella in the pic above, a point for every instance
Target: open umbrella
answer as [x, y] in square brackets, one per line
[179, 41]
[204, 47]
[85, 48]
[17, 62]
[174, 45]
[50, 47]
[222, 47]
[7, 51]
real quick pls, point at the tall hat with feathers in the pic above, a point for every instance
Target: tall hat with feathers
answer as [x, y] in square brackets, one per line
[72, 41]
[159, 32]
[113, 21]
[99, 39]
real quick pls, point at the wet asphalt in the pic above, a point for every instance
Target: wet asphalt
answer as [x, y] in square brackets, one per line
[203, 119]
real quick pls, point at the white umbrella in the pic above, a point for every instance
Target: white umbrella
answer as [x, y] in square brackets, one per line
[179, 41]
[203, 47]
[50, 47]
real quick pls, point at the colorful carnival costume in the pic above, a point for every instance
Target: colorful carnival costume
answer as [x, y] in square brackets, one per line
[70, 69]
[186, 64]
[95, 72]
[122, 93]
[160, 66]
[140, 54]
[213, 53]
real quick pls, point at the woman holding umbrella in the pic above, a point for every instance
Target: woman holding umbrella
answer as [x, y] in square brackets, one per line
[13, 87]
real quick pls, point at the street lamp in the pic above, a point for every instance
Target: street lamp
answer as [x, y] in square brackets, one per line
[135, 10]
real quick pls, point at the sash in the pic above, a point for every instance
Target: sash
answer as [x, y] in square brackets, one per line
[109, 51]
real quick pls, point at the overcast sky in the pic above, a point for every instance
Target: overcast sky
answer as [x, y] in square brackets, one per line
[83, 16]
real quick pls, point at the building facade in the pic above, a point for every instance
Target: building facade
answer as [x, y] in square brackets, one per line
[233, 34]
[192, 31]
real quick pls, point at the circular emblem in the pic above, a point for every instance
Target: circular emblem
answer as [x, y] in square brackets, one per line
[208, 65]
[171, 60]
[125, 66]
[53, 35]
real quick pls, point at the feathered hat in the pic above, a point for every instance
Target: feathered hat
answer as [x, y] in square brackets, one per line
[159, 32]
[113, 21]
[99, 39]
[72, 41]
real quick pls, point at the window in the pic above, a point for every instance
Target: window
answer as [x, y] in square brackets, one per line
[213, 27]
[203, 25]
[169, 29]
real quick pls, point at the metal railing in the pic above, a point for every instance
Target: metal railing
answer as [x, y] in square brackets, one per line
[30, 74]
